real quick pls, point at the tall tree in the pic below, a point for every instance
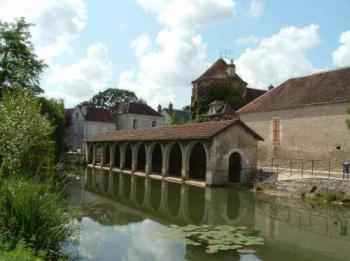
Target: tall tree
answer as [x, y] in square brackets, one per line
[20, 68]
[111, 98]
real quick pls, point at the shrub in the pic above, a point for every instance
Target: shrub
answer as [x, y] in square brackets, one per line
[25, 135]
[20, 253]
[35, 213]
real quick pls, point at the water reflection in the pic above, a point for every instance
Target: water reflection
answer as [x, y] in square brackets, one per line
[134, 207]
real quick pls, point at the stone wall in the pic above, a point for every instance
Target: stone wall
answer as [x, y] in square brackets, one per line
[312, 132]
[125, 121]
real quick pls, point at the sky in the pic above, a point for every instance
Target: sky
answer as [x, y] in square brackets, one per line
[157, 47]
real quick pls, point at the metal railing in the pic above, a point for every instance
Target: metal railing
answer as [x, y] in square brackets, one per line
[302, 168]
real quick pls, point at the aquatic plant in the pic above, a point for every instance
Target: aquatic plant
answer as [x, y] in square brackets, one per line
[214, 238]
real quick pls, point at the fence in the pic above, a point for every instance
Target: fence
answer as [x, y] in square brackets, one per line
[300, 168]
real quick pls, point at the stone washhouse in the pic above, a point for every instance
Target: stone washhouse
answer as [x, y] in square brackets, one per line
[210, 153]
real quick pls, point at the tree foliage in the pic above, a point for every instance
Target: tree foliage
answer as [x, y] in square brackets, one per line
[25, 135]
[174, 119]
[112, 98]
[19, 66]
[54, 111]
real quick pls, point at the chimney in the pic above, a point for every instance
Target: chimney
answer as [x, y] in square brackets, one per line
[270, 87]
[159, 108]
[171, 108]
[231, 69]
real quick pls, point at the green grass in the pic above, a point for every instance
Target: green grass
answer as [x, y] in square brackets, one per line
[34, 213]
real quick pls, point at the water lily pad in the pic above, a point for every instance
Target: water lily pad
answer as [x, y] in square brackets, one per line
[246, 251]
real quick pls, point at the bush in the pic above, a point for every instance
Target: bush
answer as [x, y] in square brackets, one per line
[20, 253]
[35, 213]
[25, 135]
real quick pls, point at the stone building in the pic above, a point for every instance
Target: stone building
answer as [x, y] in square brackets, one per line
[84, 122]
[219, 78]
[138, 116]
[213, 153]
[181, 115]
[303, 118]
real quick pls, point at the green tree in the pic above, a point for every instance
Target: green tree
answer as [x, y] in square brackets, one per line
[19, 66]
[25, 135]
[111, 98]
[55, 113]
[174, 119]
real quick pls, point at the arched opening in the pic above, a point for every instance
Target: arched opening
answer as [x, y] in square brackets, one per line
[128, 157]
[196, 204]
[233, 204]
[198, 162]
[235, 167]
[175, 161]
[141, 158]
[157, 159]
[90, 154]
[106, 156]
[98, 154]
[116, 156]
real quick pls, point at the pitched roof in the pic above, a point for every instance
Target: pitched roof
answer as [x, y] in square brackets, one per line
[99, 115]
[138, 108]
[319, 88]
[182, 114]
[203, 130]
[216, 71]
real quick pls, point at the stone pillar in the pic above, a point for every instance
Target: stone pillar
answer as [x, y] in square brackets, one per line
[111, 155]
[134, 158]
[103, 155]
[165, 159]
[185, 161]
[122, 156]
[87, 152]
[148, 168]
[94, 152]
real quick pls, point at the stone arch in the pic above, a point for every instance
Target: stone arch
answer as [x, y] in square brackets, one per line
[106, 155]
[90, 156]
[157, 158]
[128, 157]
[197, 160]
[117, 154]
[235, 166]
[141, 158]
[98, 154]
[175, 160]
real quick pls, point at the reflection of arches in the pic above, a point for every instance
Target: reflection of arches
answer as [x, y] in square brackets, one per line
[116, 156]
[90, 153]
[128, 157]
[235, 167]
[198, 162]
[106, 155]
[233, 204]
[196, 204]
[175, 160]
[141, 158]
[156, 190]
[174, 198]
[140, 190]
[157, 159]
[126, 187]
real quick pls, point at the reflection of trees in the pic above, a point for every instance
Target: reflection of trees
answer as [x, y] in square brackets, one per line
[107, 215]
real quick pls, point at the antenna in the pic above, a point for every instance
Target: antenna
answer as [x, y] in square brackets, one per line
[227, 54]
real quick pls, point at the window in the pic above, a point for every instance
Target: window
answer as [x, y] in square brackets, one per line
[276, 131]
[154, 123]
[134, 124]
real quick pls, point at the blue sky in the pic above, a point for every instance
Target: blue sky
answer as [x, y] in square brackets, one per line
[156, 47]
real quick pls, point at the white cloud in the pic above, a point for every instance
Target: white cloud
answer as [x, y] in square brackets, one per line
[279, 57]
[256, 9]
[341, 56]
[81, 80]
[177, 55]
[190, 14]
[57, 23]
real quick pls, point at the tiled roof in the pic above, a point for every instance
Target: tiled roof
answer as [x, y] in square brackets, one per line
[99, 115]
[319, 88]
[203, 130]
[251, 95]
[138, 108]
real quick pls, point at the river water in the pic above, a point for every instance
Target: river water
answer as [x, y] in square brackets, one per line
[122, 216]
